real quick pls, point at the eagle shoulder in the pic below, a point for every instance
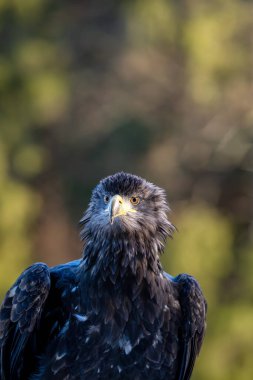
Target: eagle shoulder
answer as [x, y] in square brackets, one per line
[19, 314]
[193, 309]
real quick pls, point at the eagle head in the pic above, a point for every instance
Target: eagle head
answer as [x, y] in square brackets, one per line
[127, 207]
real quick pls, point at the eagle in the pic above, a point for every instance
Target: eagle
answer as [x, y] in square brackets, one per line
[113, 314]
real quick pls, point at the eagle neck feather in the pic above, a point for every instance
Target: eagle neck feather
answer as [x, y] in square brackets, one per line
[121, 258]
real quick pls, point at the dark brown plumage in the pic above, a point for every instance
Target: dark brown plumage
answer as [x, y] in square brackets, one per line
[113, 314]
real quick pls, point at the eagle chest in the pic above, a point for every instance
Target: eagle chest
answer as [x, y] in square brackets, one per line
[121, 330]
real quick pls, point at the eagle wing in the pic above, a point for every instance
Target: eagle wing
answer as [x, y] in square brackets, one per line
[19, 315]
[194, 308]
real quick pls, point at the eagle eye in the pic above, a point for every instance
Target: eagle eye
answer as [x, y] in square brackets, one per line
[135, 200]
[106, 198]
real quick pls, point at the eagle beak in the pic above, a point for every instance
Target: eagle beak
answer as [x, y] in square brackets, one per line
[118, 206]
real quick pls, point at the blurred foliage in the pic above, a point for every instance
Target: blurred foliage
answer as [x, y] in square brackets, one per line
[159, 88]
[18, 207]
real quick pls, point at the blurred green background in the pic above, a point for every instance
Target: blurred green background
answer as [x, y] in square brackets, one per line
[159, 88]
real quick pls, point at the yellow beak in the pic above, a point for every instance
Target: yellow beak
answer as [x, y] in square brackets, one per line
[119, 207]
